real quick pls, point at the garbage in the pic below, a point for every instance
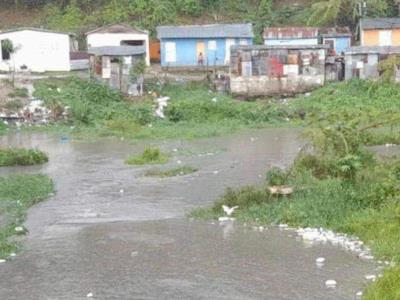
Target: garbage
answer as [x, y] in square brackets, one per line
[320, 260]
[330, 283]
[19, 229]
[2, 261]
[370, 277]
[162, 103]
[225, 219]
[281, 190]
[89, 295]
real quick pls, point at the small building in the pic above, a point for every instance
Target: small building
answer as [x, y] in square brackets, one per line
[380, 32]
[113, 65]
[155, 51]
[119, 35]
[281, 36]
[276, 70]
[338, 38]
[362, 61]
[37, 50]
[201, 45]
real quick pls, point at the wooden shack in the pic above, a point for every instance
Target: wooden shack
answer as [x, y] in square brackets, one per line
[114, 65]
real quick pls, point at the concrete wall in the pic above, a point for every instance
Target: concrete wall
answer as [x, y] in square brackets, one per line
[115, 39]
[363, 66]
[38, 51]
[277, 42]
[257, 72]
[186, 51]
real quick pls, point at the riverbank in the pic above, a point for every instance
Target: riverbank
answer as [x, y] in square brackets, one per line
[17, 194]
[337, 182]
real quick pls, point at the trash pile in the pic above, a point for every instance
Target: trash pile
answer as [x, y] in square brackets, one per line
[33, 113]
[162, 103]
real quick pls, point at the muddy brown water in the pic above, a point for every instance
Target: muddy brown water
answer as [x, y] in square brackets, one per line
[91, 238]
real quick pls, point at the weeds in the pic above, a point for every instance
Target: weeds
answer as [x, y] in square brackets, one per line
[17, 194]
[149, 156]
[19, 93]
[13, 105]
[181, 171]
[22, 157]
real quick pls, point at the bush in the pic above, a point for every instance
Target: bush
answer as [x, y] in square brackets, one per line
[14, 105]
[22, 157]
[276, 176]
[19, 93]
[149, 156]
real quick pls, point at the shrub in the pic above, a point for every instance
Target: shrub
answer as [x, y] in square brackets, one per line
[19, 93]
[13, 105]
[276, 176]
[149, 156]
[22, 157]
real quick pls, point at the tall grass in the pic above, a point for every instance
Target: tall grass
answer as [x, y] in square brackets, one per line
[22, 157]
[149, 156]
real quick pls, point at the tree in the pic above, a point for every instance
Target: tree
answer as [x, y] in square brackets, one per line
[7, 47]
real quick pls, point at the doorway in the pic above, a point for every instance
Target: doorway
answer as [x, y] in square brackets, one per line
[200, 51]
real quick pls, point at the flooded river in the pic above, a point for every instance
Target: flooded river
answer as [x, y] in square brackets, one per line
[113, 233]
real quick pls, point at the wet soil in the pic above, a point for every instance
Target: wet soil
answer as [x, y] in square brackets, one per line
[118, 234]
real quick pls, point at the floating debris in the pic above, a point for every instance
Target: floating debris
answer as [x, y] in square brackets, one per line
[229, 210]
[19, 229]
[2, 261]
[225, 219]
[370, 277]
[89, 295]
[320, 260]
[330, 283]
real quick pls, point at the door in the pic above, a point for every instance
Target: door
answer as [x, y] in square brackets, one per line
[229, 43]
[170, 52]
[200, 52]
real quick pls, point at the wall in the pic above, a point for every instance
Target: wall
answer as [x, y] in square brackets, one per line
[186, 52]
[114, 39]
[39, 51]
[266, 72]
[371, 37]
[366, 65]
[341, 43]
[272, 42]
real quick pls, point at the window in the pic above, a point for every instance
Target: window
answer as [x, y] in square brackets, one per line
[5, 50]
[385, 38]
[170, 52]
[243, 42]
[212, 45]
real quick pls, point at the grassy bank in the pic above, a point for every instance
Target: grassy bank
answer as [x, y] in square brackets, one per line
[22, 157]
[193, 112]
[338, 182]
[17, 194]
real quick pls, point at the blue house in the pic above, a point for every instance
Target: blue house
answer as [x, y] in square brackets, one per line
[339, 39]
[197, 45]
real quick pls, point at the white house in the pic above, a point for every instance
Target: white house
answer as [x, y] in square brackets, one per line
[118, 35]
[38, 50]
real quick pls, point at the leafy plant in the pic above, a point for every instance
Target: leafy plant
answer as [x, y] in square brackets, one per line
[149, 156]
[22, 157]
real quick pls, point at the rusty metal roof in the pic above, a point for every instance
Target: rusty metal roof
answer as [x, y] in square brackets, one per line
[206, 31]
[335, 31]
[117, 28]
[290, 33]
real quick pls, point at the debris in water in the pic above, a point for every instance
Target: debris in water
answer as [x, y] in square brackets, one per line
[2, 261]
[179, 162]
[229, 210]
[134, 254]
[121, 191]
[370, 277]
[330, 283]
[19, 229]
[225, 219]
[359, 295]
[320, 260]
[13, 254]
[283, 226]
[215, 172]
[89, 295]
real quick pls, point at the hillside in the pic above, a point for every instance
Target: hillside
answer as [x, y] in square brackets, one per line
[80, 16]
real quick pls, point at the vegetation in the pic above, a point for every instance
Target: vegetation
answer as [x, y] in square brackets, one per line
[19, 93]
[22, 157]
[95, 110]
[17, 194]
[338, 182]
[181, 171]
[149, 156]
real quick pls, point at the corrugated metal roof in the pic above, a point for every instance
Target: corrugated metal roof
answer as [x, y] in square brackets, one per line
[206, 31]
[34, 29]
[117, 28]
[290, 32]
[379, 23]
[117, 50]
[373, 50]
[335, 31]
[278, 47]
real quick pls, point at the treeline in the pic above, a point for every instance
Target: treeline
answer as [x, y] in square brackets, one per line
[81, 15]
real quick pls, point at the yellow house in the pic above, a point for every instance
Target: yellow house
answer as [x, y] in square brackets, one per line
[380, 32]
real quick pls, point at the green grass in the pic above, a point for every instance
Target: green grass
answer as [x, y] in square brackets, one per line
[22, 157]
[181, 171]
[19, 93]
[95, 110]
[17, 194]
[385, 288]
[13, 105]
[149, 156]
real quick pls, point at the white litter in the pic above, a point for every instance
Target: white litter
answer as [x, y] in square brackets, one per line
[19, 229]
[214, 99]
[162, 103]
[13, 255]
[330, 283]
[225, 219]
[2, 261]
[121, 191]
[370, 277]
[89, 295]
[215, 172]
[179, 162]
[359, 294]
[320, 260]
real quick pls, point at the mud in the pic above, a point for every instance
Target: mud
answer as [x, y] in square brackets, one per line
[137, 244]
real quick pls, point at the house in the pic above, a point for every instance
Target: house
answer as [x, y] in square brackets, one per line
[274, 36]
[114, 65]
[362, 61]
[118, 35]
[380, 32]
[338, 38]
[276, 70]
[38, 50]
[201, 45]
